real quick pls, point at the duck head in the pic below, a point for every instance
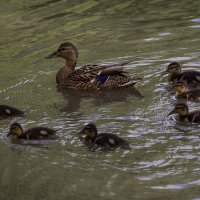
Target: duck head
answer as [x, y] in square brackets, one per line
[67, 51]
[90, 131]
[173, 68]
[181, 109]
[16, 130]
[180, 88]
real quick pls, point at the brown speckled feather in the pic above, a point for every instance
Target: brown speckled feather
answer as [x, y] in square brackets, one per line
[86, 78]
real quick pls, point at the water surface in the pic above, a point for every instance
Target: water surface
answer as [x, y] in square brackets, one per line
[164, 159]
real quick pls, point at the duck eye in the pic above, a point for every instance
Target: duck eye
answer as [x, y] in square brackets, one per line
[13, 127]
[89, 130]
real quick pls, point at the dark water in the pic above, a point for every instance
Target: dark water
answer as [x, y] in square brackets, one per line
[163, 162]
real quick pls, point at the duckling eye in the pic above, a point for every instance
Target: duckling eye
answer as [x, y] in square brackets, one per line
[89, 130]
[61, 49]
[181, 109]
[13, 127]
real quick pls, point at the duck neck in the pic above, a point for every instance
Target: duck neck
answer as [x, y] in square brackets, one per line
[65, 71]
[183, 118]
[179, 94]
[70, 65]
[89, 139]
[172, 75]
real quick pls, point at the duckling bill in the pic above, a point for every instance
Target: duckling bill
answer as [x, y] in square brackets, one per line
[9, 111]
[36, 133]
[107, 140]
[184, 115]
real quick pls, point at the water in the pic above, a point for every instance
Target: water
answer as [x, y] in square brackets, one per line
[164, 159]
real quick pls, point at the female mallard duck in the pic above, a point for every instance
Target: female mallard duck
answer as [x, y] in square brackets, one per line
[191, 78]
[8, 111]
[182, 92]
[16, 131]
[184, 115]
[107, 140]
[88, 77]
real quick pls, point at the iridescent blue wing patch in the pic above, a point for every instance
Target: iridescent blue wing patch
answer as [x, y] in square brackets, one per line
[102, 78]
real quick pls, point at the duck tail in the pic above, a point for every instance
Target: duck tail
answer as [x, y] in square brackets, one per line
[128, 84]
[138, 78]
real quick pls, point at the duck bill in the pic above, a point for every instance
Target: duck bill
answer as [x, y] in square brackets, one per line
[174, 86]
[172, 112]
[164, 73]
[80, 133]
[53, 55]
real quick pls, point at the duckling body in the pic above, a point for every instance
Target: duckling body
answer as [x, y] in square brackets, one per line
[107, 140]
[88, 77]
[194, 116]
[191, 78]
[36, 133]
[184, 115]
[182, 92]
[8, 111]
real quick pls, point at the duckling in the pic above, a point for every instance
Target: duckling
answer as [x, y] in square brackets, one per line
[182, 92]
[16, 131]
[107, 140]
[8, 111]
[184, 115]
[89, 77]
[191, 78]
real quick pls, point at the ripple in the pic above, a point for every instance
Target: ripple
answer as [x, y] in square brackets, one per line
[195, 26]
[152, 39]
[164, 154]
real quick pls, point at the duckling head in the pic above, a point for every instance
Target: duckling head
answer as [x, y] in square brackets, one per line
[181, 109]
[90, 130]
[67, 51]
[16, 130]
[180, 88]
[173, 68]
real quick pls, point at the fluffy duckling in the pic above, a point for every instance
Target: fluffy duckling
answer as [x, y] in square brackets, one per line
[184, 115]
[89, 77]
[191, 78]
[36, 133]
[107, 140]
[8, 111]
[182, 92]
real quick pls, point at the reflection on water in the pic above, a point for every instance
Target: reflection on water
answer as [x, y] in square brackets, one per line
[99, 98]
[163, 161]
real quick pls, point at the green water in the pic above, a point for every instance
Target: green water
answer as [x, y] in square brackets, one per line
[163, 162]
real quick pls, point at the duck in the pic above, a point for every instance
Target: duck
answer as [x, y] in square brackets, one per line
[107, 140]
[183, 92]
[17, 132]
[91, 76]
[184, 115]
[9, 111]
[190, 77]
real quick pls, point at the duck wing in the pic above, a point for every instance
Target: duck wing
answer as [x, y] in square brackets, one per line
[190, 77]
[194, 116]
[6, 111]
[110, 140]
[193, 95]
[91, 72]
[39, 133]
